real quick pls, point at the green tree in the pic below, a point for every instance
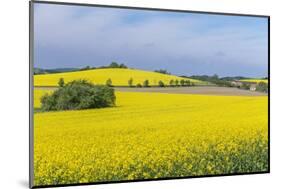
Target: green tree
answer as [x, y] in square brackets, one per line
[61, 82]
[161, 84]
[130, 82]
[182, 82]
[187, 83]
[122, 66]
[245, 86]
[109, 82]
[138, 85]
[262, 87]
[177, 82]
[162, 71]
[172, 82]
[146, 83]
[114, 65]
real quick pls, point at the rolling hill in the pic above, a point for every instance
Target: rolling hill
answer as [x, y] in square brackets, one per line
[118, 76]
[255, 80]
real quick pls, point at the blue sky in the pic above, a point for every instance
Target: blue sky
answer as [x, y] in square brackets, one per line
[182, 43]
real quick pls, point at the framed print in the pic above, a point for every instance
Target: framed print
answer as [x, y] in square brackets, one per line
[122, 94]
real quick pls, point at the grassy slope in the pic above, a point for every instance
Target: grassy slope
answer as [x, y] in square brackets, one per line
[151, 135]
[118, 76]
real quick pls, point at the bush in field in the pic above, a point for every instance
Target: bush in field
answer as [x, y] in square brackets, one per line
[161, 84]
[61, 82]
[130, 82]
[139, 85]
[146, 83]
[109, 82]
[262, 87]
[79, 94]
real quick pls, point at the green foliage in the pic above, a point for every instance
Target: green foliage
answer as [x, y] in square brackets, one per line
[223, 82]
[130, 82]
[161, 84]
[139, 85]
[122, 66]
[188, 83]
[61, 82]
[116, 65]
[172, 83]
[79, 94]
[146, 83]
[245, 86]
[109, 82]
[182, 82]
[262, 87]
[86, 68]
[162, 71]
[177, 82]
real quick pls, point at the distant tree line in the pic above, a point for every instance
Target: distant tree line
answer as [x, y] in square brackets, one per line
[162, 71]
[224, 82]
[227, 82]
[111, 65]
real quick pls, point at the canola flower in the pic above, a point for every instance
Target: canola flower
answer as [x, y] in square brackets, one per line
[118, 76]
[151, 135]
[37, 94]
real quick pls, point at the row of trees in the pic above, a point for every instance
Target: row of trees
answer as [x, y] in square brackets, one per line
[214, 79]
[146, 83]
[162, 71]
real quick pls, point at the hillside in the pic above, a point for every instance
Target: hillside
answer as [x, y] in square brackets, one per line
[255, 80]
[118, 76]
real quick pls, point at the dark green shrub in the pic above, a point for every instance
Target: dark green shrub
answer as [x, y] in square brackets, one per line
[61, 82]
[139, 85]
[182, 82]
[172, 82]
[146, 83]
[262, 87]
[161, 84]
[245, 86]
[162, 71]
[177, 82]
[130, 82]
[109, 82]
[187, 83]
[77, 95]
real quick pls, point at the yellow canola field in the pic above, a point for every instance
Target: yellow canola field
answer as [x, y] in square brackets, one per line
[118, 76]
[255, 80]
[152, 135]
[37, 94]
